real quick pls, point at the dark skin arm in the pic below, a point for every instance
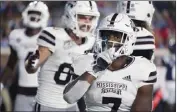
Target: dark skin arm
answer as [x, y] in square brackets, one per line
[11, 64]
[143, 101]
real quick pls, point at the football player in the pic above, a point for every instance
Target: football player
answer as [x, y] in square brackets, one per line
[141, 13]
[117, 81]
[169, 90]
[22, 43]
[58, 48]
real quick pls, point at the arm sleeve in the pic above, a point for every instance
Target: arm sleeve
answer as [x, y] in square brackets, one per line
[152, 79]
[47, 39]
[149, 75]
[76, 92]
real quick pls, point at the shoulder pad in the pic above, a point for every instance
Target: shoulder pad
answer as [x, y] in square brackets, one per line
[52, 30]
[16, 33]
[144, 32]
[15, 37]
[145, 40]
[146, 68]
[57, 32]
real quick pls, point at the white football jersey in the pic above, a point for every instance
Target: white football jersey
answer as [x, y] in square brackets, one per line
[24, 46]
[145, 40]
[57, 71]
[117, 90]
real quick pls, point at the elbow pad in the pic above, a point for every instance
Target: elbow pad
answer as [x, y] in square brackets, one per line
[76, 92]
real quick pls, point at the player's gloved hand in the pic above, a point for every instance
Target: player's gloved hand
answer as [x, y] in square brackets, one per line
[101, 63]
[106, 55]
[32, 62]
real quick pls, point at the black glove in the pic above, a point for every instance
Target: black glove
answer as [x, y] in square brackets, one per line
[32, 62]
[100, 65]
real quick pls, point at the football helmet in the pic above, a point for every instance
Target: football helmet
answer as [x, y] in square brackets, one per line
[115, 36]
[137, 10]
[75, 9]
[36, 15]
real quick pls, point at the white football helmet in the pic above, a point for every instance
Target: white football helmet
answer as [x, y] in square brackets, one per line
[36, 15]
[75, 8]
[137, 10]
[115, 36]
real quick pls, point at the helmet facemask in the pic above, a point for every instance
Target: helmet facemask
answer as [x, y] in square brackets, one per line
[116, 43]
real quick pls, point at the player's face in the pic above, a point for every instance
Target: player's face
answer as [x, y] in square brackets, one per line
[85, 22]
[113, 38]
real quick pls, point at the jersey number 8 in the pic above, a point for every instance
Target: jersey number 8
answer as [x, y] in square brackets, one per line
[64, 69]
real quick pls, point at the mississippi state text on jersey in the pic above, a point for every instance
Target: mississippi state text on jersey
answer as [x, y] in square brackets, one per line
[57, 70]
[24, 46]
[117, 90]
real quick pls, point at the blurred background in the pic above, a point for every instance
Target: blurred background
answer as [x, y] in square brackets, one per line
[164, 27]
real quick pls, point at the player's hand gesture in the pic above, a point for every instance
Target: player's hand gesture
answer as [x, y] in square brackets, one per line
[32, 62]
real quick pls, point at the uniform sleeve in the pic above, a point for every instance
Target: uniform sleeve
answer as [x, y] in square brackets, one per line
[13, 40]
[150, 76]
[47, 39]
[145, 40]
